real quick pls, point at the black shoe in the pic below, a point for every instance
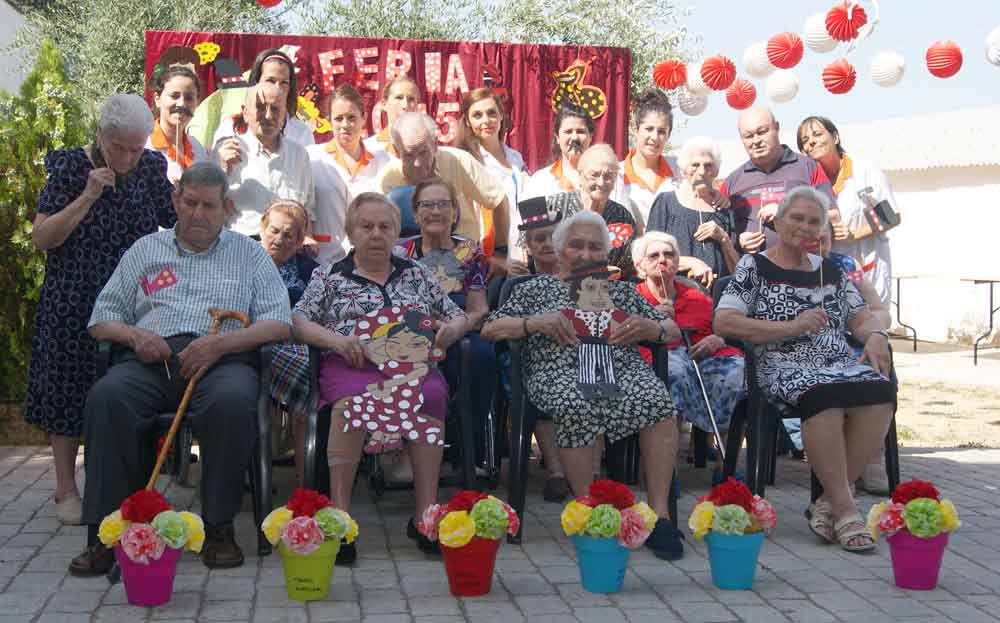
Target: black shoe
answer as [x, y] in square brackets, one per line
[93, 561]
[556, 489]
[220, 550]
[425, 545]
[347, 553]
[666, 541]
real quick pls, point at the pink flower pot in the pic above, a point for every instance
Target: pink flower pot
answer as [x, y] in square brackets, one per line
[151, 584]
[916, 562]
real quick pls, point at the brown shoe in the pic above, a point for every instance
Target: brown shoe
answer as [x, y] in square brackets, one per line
[93, 561]
[556, 489]
[220, 550]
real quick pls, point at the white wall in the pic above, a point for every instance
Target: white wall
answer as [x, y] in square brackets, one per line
[12, 71]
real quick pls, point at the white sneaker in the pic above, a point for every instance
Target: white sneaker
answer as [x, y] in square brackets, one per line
[70, 510]
[874, 479]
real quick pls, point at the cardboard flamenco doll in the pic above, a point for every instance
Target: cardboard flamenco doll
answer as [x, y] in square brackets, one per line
[400, 342]
[593, 320]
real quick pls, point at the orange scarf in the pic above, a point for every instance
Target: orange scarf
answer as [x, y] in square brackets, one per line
[333, 148]
[160, 141]
[564, 182]
[663, 171]
[846, 172]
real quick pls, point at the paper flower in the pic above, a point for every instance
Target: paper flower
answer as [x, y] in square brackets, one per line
[611, 492]
[891, 520]
[275, 522]
[732, 491]
[305, 502]
[949, 516]
[465, 500]
[702, 518]
[490, 519]
[141, 543]
[352, 530]
[634, 529]
[302, 535]
[731, 519]
[142, 506]
[111, 529]
[944, 59]
[913, 489]
[741, 94]
[648, 514]
[839, 77]
[784, 50]
[923, 517]
[196, 531]
[764, 513]
[874, 513]
[574, 517]
[513, 521]
[670, 74]
[172, 528]
[604, 522]
[333, 522]
[456, 529]
[718, 72]
[428, 524]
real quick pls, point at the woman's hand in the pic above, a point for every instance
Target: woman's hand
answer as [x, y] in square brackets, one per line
[766, 213]
[351, 349]
[447, 334]
[667, 308]
[635, 329]
[840, 231]
[811, 321]
[310, 246]
[751, 241]
[517, 268]
[97, 180]
[709, 231]
[706, 347]
[877, 354]
[556, 326]
[701, 272]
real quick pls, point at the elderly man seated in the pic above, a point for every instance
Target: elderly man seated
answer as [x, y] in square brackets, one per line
[156, 306]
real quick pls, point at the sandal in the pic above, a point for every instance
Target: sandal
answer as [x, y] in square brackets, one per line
[851, 528]
[820, 515]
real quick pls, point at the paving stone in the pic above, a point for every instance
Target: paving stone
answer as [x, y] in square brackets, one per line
[333, 611]
[225, 611]
[120, 614]
[599, 615]
[280, 615]
[534, 605]
[387, 618]
[56, 617]
[434, 606]
[492, 612]
[82, 601]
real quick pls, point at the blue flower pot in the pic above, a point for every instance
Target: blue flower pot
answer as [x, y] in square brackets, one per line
[733, 559]
[602, 563]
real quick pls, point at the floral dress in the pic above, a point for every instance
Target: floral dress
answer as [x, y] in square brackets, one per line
[551, 369]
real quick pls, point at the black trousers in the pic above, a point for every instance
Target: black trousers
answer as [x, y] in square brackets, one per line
[120, 414]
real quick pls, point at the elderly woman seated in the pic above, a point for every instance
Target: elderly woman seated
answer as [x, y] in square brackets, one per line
[657, 256]
[560, 371]
[797, 310]
[399, 307]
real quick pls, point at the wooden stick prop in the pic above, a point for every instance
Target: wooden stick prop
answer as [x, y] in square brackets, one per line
[218, 315]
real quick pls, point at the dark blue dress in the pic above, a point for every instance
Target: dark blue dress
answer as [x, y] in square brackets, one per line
[63, 355]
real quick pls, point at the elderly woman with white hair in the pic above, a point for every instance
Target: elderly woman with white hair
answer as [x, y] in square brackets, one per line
[796, 309]
[656, 259]
[695, 215]
[96, 202]
[642, 404]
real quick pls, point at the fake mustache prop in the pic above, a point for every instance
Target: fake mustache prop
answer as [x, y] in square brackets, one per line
[182, 110]
[575, 145]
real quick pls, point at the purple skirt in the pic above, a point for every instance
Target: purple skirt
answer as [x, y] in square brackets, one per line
[338, 380]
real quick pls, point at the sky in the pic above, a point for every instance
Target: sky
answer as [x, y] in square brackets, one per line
[906, 26]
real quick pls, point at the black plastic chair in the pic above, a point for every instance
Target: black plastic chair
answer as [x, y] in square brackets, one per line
[623, 455]
[259, 470]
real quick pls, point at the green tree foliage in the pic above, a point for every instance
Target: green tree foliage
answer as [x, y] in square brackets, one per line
[45, 115]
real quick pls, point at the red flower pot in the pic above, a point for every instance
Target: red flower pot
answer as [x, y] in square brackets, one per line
[470, 567]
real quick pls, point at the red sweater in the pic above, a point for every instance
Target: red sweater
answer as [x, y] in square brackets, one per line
[692, 310]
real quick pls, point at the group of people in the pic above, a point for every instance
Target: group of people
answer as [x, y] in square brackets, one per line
[145, 231]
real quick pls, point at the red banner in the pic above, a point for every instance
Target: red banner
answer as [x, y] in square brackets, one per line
[531, 78]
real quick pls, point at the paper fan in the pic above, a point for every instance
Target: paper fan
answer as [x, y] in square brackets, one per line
[784, 50]
[718, 72]
[843, 21]
[670, 74]
[944, 59]
[741, 94]
[815, 36]
[887, 68]
[839, 77]
[755, 60]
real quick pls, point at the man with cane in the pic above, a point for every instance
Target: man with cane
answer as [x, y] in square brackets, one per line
[156, 308]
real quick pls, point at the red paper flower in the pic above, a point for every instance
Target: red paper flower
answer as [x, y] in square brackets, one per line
[784, 50]
[586, 500]
[732, 492]
[611, 492]
[839, 77]
[913, 489]
[465, 500]
[670, 74]
[944, 59]
[718, 72]
[305, 502]
[741, 94]
[842, 23]
[268, 4]
[143, 506]
[891, 520]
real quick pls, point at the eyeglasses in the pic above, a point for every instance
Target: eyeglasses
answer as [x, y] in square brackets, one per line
[432, 204]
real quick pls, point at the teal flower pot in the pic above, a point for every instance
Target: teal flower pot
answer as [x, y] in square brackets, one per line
[602, 563]
[733, 559]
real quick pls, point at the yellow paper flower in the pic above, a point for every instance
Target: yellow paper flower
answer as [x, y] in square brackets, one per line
[196, 531]
[275, 522]
[949, 516]
[648, 514]
[574, 517]
[352, 529]
[111, 529]
[873, 514]
[701, 519]
[456, 529]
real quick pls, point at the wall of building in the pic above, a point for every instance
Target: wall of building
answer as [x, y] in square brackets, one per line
[12, 71]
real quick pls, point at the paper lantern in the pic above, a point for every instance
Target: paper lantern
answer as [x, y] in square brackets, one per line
[815, 36]
[755, 60]
[887, 68]
[741, 94]
[692, 104]
[784, 50]
[268, 4]
[839, 77]
[782, 86]
[944, 59]
[993, 46]
[670, 74]
[718, 72]
[843, 21]
[695, 85]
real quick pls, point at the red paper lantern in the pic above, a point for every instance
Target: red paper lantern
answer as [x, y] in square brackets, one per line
[268, 4]
[718, 72]
[843, 23]
[839, 77]
[784, 50]
[741, 94]
[944, 59]
[670, 74]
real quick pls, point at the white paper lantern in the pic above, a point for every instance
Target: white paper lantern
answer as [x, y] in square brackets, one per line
[993, 46]
[782, 86]
[815, 36]
[755, 60]
[695, 85]
[692, 104]
[887, 68]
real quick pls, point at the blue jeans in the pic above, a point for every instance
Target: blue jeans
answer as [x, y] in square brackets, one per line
[793, 426]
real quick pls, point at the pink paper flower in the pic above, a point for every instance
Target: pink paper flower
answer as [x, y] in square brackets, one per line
[764, 513]
[302, 535]
[141, 543]
[513, 521]
[891, 520]
[633, 531]
[428, 524]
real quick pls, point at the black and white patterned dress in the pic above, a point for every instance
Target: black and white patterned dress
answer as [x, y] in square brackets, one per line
[551, 370]
[808, 373]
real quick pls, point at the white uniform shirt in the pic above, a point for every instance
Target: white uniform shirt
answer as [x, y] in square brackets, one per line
[295, 130]
[549, 180]
[174, 168]
[513, 182]
[639, 194]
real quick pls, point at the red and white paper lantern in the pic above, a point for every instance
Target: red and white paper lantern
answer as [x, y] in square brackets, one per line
[839, 77]
[670, 74]
[815, 36]
[718, 72]
[944, 59]
[741, 94]
[755, 61]
[782, 86]
[784, 50]
[845, 19]
[887, 68]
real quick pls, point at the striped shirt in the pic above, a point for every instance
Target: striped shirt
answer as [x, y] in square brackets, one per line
[163, 288]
